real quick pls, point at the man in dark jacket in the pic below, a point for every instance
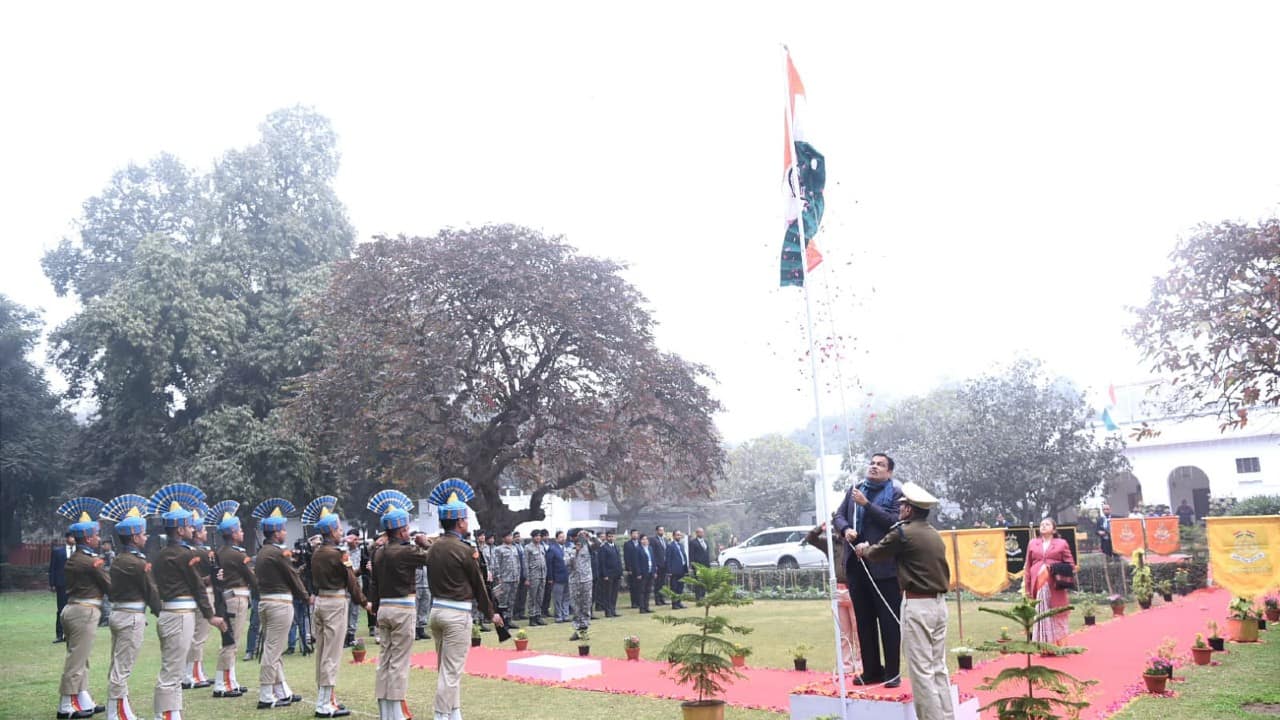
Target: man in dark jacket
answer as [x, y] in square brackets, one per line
[629, 552]
[611, 574]
[867, 512]
[677, 566]
[58, 579]
[558, 578]
[699, 553]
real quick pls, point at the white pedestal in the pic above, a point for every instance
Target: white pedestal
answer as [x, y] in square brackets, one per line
[553, 667]
[807, 707]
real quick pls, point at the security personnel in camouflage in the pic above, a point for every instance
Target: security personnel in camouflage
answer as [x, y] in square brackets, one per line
[578, 559]
[506, 577]
[535, 558]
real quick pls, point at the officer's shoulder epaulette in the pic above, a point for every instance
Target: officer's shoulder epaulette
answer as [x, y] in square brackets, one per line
[898, 526]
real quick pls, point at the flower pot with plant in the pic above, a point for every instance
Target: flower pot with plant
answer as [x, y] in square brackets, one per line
[739, 655]
[1182, 580]
[1156, 674]
[358, 651]
[1242, 625]
[1090, 613]
[1047, 691]
[631, 644]
[1215, 640]
[1200, 651]
[800, 656]
[1271, 606]
[1165, 588]
[522, 639]
[1166, 652]
[584, 642]
[964, 657]
[475, 635]
[1143, 585]
[1117, 605]
[700, 658]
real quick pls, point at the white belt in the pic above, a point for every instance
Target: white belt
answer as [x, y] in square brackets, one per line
[464, 605]
[182, 603]
[276, 597]
[129, 606]
[91, 602]
[406, 601]
[235, 593]
[332, 593]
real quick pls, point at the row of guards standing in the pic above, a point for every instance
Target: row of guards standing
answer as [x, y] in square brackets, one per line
[186, 578]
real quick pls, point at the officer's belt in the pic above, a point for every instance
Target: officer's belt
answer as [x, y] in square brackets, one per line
[406, 601]
[464, 605]
[132, 607]
[91, 602]
[182, 603]
[276, 597]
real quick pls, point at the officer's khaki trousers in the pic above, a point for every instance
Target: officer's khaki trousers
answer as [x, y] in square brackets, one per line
[238, 609]
[79, 626]
[452, 632]
[174, 629]
[126, 641]
[330, 619]
[275, 617]
[395, 627]
[199, 635]
[924, 640]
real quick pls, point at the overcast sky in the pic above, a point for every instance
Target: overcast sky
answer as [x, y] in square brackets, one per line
[1004, 178]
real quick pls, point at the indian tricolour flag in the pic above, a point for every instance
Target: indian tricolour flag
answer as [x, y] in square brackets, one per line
[804, 173]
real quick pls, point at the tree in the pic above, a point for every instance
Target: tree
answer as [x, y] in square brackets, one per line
[490, 354]
[34, 429]
[1212, 323]
[767, 474]
[1017, 443]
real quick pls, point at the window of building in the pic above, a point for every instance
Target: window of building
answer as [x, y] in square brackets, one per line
[1248, 465]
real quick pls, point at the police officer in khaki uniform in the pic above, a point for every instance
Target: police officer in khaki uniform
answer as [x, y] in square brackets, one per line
[181, 594]
[457, 587]
[132, 592]
[195, 676]
[87, 583]
[924, 576]
[393, 594]
[336, 585]
[238, 583]
[279, 586]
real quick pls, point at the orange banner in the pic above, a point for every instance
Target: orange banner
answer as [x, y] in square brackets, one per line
[980, 565]
[1126, 536]
[1162, 534]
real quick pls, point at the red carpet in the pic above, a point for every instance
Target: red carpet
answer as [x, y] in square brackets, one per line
[1117, 652]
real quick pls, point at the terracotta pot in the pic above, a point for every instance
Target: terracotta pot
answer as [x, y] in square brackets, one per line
[801, 663]
[358, 655]
[584, 650]
[1273, 614]
[1243, 630]
[738, 660]
[1117, 610]
[1090, 619]
[633, 653]
[1202, 655]
[705, 710]
[475, 642]
[1217, 644]
[965, 662]
[522, 645]
[1155, 683]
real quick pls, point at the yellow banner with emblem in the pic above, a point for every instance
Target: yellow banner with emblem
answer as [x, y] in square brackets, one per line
[977, 559]
[1244, 553]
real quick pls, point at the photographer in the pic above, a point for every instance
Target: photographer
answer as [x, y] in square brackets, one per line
[301, 628]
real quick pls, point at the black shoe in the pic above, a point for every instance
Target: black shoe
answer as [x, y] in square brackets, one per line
[512, 626]
[228, 693]
[289, 651]
[421, 635]
[203, 684]
[896, 682]
[864, 680]
[59, 640]
[574, 636]
[186, 686]
[76, 714]
[99, 709]
[243, 689]
[295, 698]
[282, 702]
[342, 712]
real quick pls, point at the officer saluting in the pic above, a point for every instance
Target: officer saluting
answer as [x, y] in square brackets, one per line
[87, 582]
[924, 576]
[279, 585]
[335, 584]
[238, 582]
[132, 592]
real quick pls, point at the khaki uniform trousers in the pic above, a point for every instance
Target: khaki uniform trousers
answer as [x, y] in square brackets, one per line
[330, 628]
[238, 609]
[452, 632]
[924, 641]
[175, 630]
[126, 640]
[79, 626]
[395, 627]
[275, 618]
[199, 636]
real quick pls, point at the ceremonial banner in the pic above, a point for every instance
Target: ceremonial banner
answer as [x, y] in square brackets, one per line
[980, 565]
[1244, 553]
[1126, 536]
[1162, 534]
[1015, 549]
[949, 546]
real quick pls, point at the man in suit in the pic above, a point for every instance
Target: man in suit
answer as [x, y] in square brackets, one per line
[629, 552]
[558, 578]
[677, 566]
[58, 579]
[700, 554]
[611, 574]
[643, 573]
[659, 547]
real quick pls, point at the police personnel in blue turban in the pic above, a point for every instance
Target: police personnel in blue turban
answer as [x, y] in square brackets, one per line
[132, 593]
[279, 586]
[87, 583]
[238, 585]
[181, 593]
[336, 585]
[393, 594]
[924, 576]
[194, 675]
[453, 571]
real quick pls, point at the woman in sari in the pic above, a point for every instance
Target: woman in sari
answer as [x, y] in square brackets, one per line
[850, 655]
[1042, 553]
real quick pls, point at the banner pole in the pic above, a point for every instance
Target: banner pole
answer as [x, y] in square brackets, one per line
[955, 572]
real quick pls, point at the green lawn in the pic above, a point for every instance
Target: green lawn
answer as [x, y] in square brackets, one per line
[1247, 674]
[32, 665]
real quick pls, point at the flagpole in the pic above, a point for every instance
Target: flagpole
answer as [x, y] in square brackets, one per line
[955, 572]
[817, 400]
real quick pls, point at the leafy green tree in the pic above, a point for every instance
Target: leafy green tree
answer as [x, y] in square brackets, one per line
[1211, 322]
[767, 475]
[1058, 690]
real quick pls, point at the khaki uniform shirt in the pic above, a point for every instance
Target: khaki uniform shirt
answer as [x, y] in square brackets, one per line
[395, 568]
[453, 569]
[237, 568]
[174, 570]
[87, 575]
[276, 573]
[921, 556]
[331, 570]
[131, 580]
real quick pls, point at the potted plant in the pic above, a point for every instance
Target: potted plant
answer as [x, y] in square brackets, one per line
[1242, 625]
[1117, 605]
[1166, 652]
[584, 642]
[358, 650]
[1144, 587]
[1200, 651]
[739, 655]
[800, 656]
[522, 639]
[964, 657]
[1047, 690]
[475, 635]
[1156, 674]
[631, 644]
[1090, 613]
[1004, 634]
[1215, 640]
[1182, 580]
[1271, 606]
[700, 658]
[1165, 588]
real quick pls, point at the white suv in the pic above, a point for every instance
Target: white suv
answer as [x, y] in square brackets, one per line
[775, 547]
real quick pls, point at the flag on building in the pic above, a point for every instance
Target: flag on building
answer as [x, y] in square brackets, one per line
[804, 175]
[1107, 422]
